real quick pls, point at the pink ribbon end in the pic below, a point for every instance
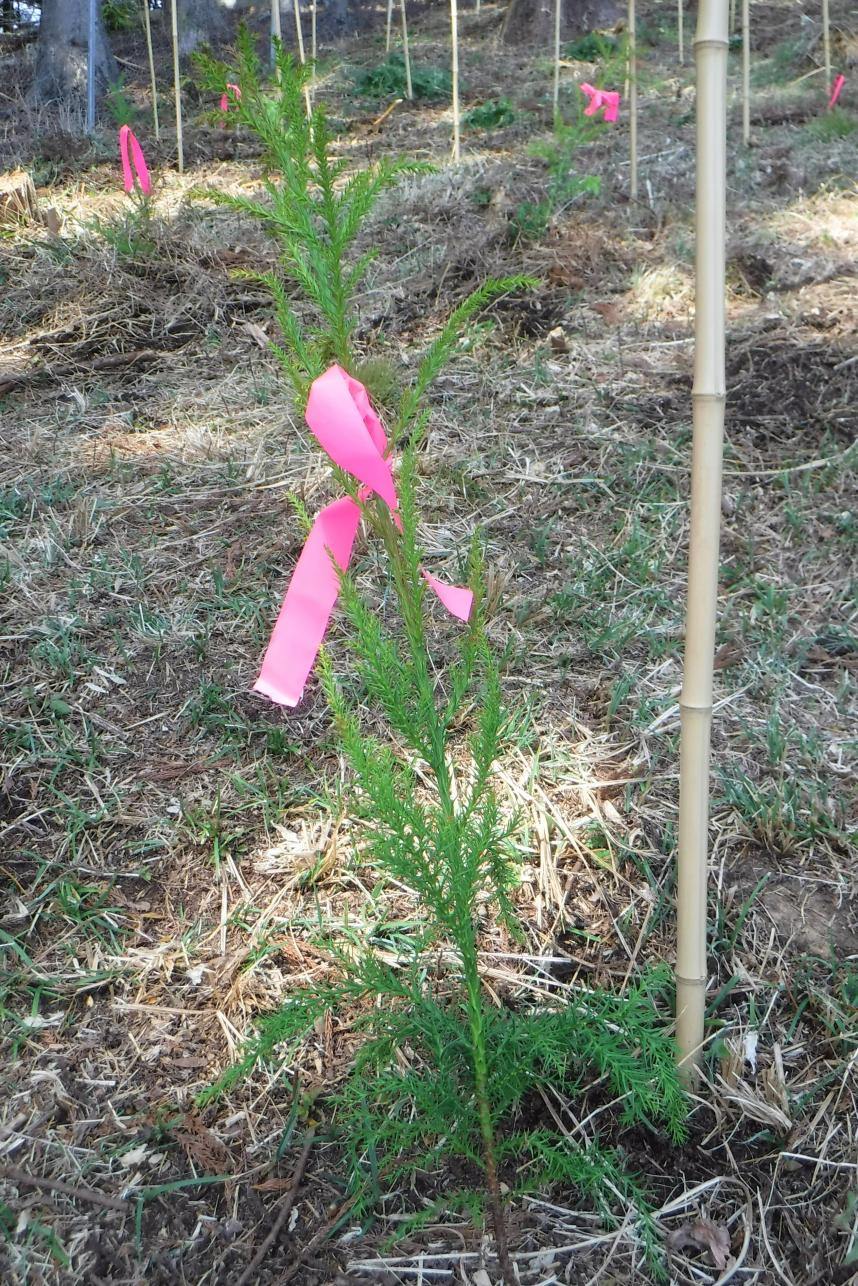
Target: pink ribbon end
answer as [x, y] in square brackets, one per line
[838, 86]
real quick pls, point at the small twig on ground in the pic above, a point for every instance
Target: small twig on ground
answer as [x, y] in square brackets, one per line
[13, 1175]
[285, 1210]
[317, 1240]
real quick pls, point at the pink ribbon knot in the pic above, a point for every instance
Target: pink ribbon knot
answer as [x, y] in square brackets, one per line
[128, 140]
[835, 92]
[599, 98]
[224, 100]
[341, 418]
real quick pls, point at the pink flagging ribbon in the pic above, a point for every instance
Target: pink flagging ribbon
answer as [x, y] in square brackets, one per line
[599, 98]
[341, 418]
[835, 92]
[128, 140]
[224, 99]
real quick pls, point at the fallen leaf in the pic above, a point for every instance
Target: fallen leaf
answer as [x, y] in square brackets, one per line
[703, 1234]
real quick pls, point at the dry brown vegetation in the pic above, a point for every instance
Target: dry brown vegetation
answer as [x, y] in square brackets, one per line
[171, 845]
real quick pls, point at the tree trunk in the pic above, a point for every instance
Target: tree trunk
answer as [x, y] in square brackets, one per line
[531, 22]
[201, 22]
[61, 53]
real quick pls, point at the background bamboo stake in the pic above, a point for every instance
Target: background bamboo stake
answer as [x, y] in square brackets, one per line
[148, 25]
[680, 26]
[90, 69]
[276, 32]
[746, 73]
[826, 45]
[558, 9]
[177, 86]
[314, 46]
[708, 398]
[732, 16]
[299, 33]
[457, 125]
[633, 103]
[409, 89]
[389, 25]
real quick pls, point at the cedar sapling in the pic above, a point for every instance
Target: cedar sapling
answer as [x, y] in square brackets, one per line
[442, 1072]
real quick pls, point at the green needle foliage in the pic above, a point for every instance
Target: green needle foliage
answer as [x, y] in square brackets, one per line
[442, 1072]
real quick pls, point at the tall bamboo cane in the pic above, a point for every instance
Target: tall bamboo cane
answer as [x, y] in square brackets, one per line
[457, 125]
[680, 27]
[746, 73]
[276, 31]
[90, 68]
[826, 45]
[389, 26]
[148, 25]
[708, 398]
[406, 53]
[177, 85]
[633, 103]
[558, 9]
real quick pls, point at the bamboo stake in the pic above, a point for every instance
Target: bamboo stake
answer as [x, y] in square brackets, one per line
[746, 73]
[148, 25]
[389, 26]
[708, 398]
[276, 31]
[177, 86]
[409, 88]
[826, 45]
[314, 44]
[90, 68]
[732, 17]
[633, 103]
[457, 128]
[296, 5]
[558, 9]
[680, 26]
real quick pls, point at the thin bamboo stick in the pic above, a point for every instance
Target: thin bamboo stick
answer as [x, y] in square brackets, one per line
[406, 53]
[746, 73]
[90, 67]
[457, 125]
[177, 85]
[276, 31]
[680, 27]
[558, 9]
[314, 44]
[148, 25]
[708, 398]
[299, 33]
[389, 26]
[732, 16]
[826, 45]
[633, 103]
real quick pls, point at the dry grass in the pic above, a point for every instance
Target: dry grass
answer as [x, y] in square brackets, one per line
[171, 844]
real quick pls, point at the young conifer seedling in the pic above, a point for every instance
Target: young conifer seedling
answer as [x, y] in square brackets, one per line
[442, 1072]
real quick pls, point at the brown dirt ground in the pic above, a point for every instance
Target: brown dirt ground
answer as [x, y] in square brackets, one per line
[168, 841]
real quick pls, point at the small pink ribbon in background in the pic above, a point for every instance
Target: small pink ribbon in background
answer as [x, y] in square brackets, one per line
[835, 92]
[599, 98]
[341, 418]
[224, 100]
[128, 140]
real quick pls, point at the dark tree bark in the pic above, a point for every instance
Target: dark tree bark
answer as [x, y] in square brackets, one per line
[531, 22]
[201, 22]
[61, 53]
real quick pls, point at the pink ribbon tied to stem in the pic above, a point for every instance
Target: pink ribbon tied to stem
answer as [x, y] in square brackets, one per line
[341, 417]
[835, 92]
[224, 99]
[599, 98]
[128, 140]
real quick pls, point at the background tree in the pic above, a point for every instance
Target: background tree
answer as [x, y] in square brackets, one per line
[61, 52]
[201, 22]
[532, 21]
